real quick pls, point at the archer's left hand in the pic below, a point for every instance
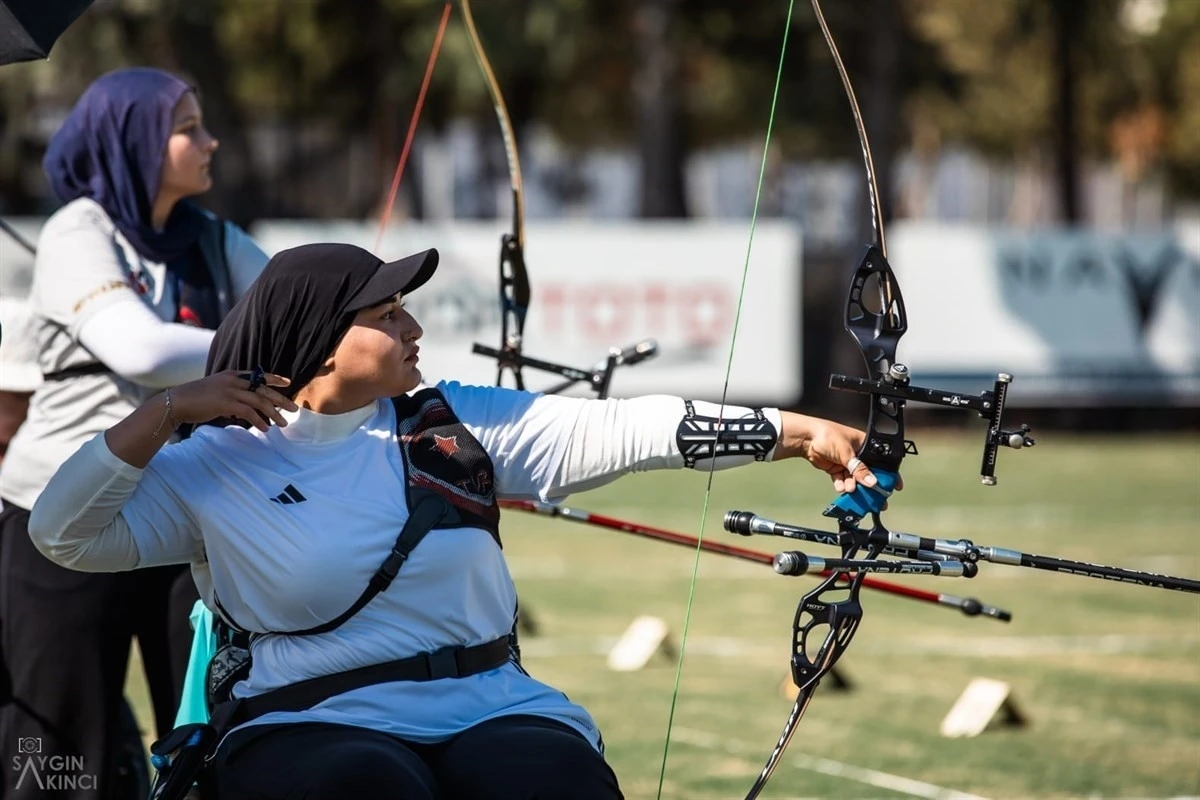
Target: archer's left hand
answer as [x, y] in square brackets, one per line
[830, 447]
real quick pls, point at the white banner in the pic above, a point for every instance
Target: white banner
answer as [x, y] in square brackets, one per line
[596, 286]
[1076, 317]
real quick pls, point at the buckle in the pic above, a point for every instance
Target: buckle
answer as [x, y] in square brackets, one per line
[387, 571]
[443, 663]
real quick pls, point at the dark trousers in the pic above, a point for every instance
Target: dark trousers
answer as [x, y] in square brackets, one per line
[509, 758]
[65, 639]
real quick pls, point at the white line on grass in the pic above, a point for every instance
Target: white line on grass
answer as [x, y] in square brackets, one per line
[826, 766]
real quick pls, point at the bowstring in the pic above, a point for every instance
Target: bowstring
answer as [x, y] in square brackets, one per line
[687, 614]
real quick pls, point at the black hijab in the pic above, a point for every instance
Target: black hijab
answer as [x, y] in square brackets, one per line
[291, 319]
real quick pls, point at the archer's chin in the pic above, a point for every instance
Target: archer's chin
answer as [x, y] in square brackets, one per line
[412, 380]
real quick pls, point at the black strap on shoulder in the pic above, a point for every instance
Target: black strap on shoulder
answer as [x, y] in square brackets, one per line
[212, 248]
[95, 368]
[427, 510]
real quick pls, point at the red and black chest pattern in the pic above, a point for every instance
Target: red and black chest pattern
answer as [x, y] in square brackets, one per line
[441, 455]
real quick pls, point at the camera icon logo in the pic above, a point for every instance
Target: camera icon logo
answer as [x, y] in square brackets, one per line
[28, 745]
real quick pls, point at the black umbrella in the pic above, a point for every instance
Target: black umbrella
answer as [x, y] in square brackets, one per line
[29, 28]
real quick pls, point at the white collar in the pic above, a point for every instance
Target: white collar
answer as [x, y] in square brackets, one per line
[306, 426]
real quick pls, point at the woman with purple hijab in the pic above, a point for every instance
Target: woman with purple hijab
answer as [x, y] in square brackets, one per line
[130, 281]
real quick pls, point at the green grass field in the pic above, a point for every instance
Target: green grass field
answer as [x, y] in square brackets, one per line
[1108, 674]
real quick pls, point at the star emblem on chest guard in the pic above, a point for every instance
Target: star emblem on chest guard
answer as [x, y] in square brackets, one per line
[446, 445]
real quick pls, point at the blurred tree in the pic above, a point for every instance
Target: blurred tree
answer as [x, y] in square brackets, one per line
[1067, 22]
[312, 97]
[657, 87]
[1086, 80]
[1170, 47]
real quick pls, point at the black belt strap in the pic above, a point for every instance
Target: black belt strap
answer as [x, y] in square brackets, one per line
[449, 662]
[95, 368]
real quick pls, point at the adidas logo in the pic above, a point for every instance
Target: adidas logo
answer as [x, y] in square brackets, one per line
[288, 496]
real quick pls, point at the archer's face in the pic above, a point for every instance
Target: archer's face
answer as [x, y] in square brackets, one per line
[187, 166]
[379, 351]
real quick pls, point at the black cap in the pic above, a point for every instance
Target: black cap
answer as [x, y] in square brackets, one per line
[391, 277]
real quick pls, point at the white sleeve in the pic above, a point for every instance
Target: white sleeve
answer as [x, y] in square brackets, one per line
[99, 514]
[549, 447]
[168, 353]
[135, 343]
[78, 271]
[245, 258]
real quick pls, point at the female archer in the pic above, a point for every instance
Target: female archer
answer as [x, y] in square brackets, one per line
[349, 526]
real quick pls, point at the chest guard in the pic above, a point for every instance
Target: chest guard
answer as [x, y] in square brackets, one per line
[441, 456]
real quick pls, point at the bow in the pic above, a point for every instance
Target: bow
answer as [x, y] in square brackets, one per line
[515, 292]
[514, 277]
[876, 318]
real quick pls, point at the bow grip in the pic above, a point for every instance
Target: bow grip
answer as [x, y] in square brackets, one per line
[863, 501]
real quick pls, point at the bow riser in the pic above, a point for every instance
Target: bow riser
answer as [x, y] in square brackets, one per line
[841, 617]
[877, 328]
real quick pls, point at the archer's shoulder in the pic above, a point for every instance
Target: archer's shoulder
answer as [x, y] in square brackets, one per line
[81, 217]
[487, 405]
[454, 392]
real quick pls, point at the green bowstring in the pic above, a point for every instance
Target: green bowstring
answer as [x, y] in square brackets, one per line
[687, 615]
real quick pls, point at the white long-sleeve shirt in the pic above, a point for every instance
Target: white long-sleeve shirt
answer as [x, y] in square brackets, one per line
[276, 567]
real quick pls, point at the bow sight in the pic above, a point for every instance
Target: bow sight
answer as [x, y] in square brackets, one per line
[990, 405]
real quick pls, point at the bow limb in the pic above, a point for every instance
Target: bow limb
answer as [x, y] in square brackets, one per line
[868, 162]
[514, 277]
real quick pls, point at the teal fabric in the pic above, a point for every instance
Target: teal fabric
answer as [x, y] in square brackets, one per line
[193, 707]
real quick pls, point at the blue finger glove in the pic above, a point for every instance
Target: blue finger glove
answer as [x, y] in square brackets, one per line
[863, 501]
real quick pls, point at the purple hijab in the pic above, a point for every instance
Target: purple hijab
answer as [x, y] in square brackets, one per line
[112, 147]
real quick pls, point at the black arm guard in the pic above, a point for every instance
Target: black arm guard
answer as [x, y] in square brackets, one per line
[707, 437]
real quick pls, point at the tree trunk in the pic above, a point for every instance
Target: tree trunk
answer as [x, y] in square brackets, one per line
[1067, 21]
[657, 86]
